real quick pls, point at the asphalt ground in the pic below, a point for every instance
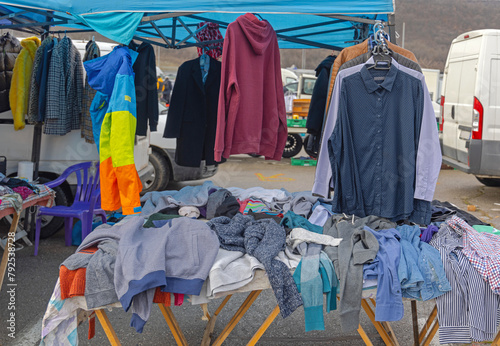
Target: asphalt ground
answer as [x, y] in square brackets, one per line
[36, 276]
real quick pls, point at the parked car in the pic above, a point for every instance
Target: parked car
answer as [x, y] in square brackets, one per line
[162, 163]
[288, 76]
[470, 105]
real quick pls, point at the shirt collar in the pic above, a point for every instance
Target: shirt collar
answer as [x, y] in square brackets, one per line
[372, 86]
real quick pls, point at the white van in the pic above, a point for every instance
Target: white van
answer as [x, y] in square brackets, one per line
[470, 105]
[433, 79]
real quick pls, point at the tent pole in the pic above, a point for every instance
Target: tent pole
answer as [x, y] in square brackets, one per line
[174, 30]
[37, 134]
[391, 18]
[349, 18]
[29, 221]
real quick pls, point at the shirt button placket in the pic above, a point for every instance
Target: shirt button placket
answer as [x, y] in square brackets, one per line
[378, 124]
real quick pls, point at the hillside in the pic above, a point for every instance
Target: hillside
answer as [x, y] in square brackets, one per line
[432, 25]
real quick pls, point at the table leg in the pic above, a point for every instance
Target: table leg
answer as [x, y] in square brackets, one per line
[427, 324]
[173, 325]
[433, 332]
[264, 326]
[237, 317]
[108, 328]
[378, 326]
[414, 320]
[364, 336]
[387, 327]
[211, 323]
[10, 240]
[496, 342]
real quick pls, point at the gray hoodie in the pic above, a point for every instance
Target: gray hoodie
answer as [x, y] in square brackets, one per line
[176, 257]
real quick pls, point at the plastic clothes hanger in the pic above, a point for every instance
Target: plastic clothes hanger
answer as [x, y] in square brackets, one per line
[381, 54]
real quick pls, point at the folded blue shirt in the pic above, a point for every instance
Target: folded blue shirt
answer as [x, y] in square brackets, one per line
[422, 274]
[385, 267]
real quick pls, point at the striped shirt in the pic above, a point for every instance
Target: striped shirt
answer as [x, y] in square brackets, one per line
[471, 310]
[482, 250]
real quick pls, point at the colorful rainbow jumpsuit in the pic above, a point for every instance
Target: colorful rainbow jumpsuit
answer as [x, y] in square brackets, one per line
[114, 120]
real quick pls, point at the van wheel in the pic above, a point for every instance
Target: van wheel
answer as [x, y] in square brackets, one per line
[293, 145]
[161, 173]
[489, 181]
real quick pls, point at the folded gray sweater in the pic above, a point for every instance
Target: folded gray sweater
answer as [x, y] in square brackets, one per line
[99, 277]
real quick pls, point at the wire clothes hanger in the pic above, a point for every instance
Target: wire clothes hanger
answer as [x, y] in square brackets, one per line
[258, 15]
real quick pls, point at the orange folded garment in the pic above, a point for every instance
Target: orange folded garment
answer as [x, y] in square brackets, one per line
[73, 281]
[73, 285]
[165, 298]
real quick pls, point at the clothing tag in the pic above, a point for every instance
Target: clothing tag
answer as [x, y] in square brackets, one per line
[379, 78]
[205, 66]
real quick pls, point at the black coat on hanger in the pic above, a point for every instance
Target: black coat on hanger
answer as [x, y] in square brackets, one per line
[192, 114]
[146, 91]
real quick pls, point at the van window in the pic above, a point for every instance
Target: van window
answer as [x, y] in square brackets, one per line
[468, 82]
[453, 82]
[308, 86]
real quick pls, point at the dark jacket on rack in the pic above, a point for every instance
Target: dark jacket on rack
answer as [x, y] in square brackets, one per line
[64, 89]
[192, 115]
[9, 49]
[92, 51]
[146, 92]
[318, 100]
[36, 76]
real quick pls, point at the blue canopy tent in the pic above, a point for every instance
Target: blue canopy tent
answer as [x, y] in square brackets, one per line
[299, 24]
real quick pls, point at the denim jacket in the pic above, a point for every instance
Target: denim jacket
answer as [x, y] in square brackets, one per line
[426, 280]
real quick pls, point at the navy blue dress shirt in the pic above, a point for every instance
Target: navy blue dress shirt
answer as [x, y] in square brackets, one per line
[373, 147]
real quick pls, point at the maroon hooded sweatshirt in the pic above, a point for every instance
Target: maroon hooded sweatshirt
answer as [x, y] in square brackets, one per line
[251, 116]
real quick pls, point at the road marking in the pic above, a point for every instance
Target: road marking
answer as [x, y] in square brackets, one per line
[276, 177]
[31, 336]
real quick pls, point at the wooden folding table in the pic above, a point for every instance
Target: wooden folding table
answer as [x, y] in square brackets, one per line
[46, 198]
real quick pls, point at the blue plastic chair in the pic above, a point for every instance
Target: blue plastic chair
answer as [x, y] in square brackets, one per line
[87, 202]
